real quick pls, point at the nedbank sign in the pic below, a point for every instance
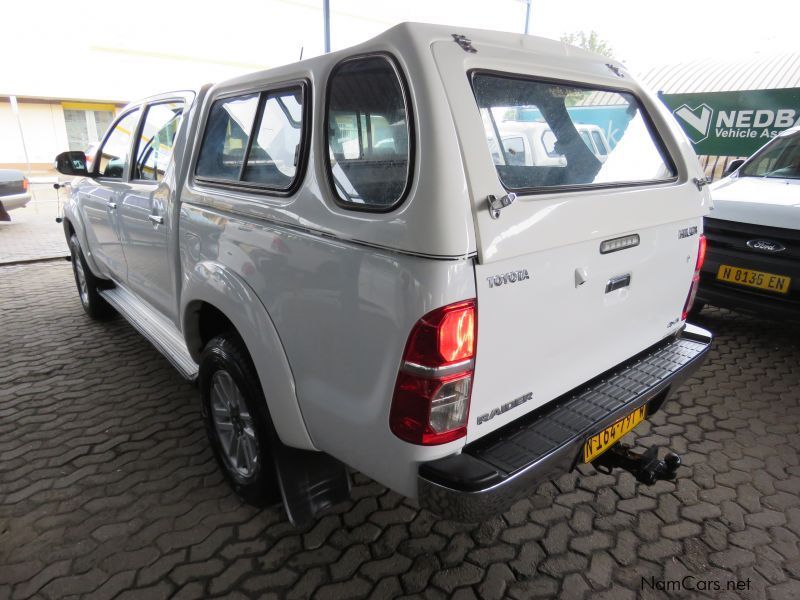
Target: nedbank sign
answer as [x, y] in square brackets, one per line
[734, 123]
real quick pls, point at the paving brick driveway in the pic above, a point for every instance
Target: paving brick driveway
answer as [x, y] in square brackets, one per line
[32, 233]
[107, 486]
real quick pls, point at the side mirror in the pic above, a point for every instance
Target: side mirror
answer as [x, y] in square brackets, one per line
[72, 163]
[733, 166]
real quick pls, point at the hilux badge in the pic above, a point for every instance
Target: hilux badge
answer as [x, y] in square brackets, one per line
[687, 232]
[766, 245]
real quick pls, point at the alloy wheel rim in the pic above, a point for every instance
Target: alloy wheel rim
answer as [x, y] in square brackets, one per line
[234, 425]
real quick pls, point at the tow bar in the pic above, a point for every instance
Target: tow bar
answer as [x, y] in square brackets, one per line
[645, 466]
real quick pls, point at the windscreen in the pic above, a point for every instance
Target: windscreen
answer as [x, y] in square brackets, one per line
[779, 159]
[549, 135]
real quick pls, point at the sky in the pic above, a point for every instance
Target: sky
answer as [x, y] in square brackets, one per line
[125, 50]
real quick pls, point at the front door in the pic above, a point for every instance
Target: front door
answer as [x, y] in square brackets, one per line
[144, 211]
[100, 197]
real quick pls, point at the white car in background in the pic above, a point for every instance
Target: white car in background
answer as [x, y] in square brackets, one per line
[14, 191]
[527, 143]
[754, 233]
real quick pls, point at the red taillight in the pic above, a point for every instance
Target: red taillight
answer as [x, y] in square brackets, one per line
[431, 397]
[701, 258]
[24, 184]
[701, 253]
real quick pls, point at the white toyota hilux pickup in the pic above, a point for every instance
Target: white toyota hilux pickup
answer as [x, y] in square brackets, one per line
[356, 281]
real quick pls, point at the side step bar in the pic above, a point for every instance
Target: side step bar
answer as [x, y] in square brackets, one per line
[161, 332]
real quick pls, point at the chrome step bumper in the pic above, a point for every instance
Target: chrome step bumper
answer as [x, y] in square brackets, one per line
[492, 473]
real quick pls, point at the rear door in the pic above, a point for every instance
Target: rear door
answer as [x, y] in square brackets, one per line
[593, 261]
[100, 195]
[145, 213]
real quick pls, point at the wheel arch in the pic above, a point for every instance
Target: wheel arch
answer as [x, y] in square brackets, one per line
[214, 299]
[73, 225]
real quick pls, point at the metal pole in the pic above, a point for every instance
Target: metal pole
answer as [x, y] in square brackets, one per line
[15, 110]
[527, 15]
[326, 18]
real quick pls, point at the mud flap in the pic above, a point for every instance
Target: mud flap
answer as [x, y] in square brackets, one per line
[4, 216]
[310, 482]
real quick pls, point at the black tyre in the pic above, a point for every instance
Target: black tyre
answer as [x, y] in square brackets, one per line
[88, 284]
[237, 420]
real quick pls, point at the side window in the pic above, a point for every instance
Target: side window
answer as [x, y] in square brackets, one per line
[586, 140]
[255, 139]
[515, 146]
[227, 134]
[369, 134]
[115, 153]
[275, 149]
[156, 140]
[599, 142]
[549, 142]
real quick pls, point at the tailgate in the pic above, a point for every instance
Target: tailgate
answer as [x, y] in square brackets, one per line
[557, 306]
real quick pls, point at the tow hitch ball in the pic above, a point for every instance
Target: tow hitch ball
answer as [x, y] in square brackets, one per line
[645, 466]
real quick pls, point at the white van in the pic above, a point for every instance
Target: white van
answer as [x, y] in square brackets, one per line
[331, 251]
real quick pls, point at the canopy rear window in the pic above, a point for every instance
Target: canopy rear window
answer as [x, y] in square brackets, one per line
[575, 136]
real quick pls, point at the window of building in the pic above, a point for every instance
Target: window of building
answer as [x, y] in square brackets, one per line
[86, 123]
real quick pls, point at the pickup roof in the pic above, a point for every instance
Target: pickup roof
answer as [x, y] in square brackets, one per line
[332, 251]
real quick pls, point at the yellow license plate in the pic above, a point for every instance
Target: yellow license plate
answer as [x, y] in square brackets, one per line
[756, 279]
[599, 443]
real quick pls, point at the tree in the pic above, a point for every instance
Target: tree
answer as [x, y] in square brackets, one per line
[590, 42]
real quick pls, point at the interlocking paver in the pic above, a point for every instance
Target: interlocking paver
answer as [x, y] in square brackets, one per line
[107, 485]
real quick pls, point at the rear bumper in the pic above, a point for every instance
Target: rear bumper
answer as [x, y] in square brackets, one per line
[493, 472]
[15, 200]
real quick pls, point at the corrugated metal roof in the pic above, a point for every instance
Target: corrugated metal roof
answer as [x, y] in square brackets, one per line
[726, 75]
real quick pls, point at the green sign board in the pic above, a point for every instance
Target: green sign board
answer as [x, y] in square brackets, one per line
[734, 123]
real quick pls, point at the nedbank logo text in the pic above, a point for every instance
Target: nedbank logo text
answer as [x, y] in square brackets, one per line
[700, 121]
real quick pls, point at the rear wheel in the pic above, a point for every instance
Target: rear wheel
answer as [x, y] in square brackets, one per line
[236, 419]
[88, 285]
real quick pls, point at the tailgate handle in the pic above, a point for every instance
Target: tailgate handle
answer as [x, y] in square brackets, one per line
[618, 282]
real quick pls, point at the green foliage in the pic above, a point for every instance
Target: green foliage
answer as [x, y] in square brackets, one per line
[590, 42]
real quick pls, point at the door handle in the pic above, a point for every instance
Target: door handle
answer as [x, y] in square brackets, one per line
[156, 219]
[111, 204]
[619, 282]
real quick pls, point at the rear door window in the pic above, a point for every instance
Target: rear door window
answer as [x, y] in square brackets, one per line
[369, 134]
[634, 155]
